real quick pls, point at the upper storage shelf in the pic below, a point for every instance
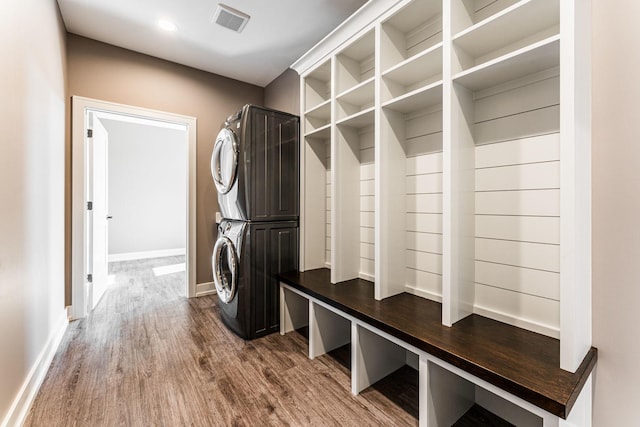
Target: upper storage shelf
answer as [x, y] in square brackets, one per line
[317, 87]
[540, 56]
[518, 26]
[414, 73]
[356, 99]
[414, 29]
[356, 63]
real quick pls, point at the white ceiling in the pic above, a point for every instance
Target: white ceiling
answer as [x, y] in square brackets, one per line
[277, 34]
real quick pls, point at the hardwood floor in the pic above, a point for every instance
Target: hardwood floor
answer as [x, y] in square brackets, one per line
[148, 356]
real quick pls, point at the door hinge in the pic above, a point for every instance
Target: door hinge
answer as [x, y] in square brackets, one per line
[90, 278]
[89, 206]
[89, 133]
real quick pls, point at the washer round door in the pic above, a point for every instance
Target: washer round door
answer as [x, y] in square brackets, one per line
[224, 160]
[225, 269]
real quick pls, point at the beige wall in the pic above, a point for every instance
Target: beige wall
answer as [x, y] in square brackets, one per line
[32, 111]
[616, 211]
[105, 72]
[283, 93]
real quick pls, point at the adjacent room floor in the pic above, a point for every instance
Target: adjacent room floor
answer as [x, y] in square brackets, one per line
[147, 355]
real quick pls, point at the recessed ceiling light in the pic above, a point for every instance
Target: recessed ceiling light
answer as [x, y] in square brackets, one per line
[167, 25]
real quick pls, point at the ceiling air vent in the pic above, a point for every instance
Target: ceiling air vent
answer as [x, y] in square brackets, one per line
[230, 18]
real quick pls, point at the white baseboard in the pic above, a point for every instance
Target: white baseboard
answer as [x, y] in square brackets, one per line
[422, 293]
[518, 321]
[203, 289]
[129, 256]
[27, 394]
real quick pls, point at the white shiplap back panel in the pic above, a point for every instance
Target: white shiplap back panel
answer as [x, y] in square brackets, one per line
[424, 184]
[520, 309]
[482, 9]
[425, 203]
[327, 258]
[517, 227]
[545, 284]
[531, 96]
[423, 221]
[535, 149]
[520, 202]
[519, 177]
[538, 256]
[367, 207]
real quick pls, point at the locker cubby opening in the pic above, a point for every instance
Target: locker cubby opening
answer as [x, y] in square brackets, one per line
[511, 132]
[329, 333]
[294, 313]
[317, 87]
[412, 155]
[355, 65]
[415, 29]
[316, 236]
[386, 367]
[355, 200]
[317, 122]
[356, 101]
[413, 78]
[509, 31]
[450, 397]
[467, 13]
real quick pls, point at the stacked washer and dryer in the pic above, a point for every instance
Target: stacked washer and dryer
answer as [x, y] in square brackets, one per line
[255, 168]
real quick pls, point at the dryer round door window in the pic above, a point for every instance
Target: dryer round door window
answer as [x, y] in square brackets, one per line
[224, 160]
[225, 266]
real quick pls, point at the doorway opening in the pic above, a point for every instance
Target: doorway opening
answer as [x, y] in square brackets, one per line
[128, 162]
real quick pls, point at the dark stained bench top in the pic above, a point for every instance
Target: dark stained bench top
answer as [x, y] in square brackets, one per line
[523, 363]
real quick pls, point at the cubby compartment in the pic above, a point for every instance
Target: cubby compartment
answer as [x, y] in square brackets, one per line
[512, 130]
[354, 230]
[414, 29]
[411, 49]
[356, 101]
[317, 88]
[317, 102]
[414, 78]
[315, 236]
[294, 312]
[452, 400]
[355, 65]
[328, 330]
[526, 27]
[412, 216]
[375, 358]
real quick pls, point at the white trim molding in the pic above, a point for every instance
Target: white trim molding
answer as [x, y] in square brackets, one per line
[203, 289]
[24, 399]
[79, 108]
[361, 18]
[129, 256]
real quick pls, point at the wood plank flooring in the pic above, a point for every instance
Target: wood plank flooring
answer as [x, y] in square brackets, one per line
[148, 356]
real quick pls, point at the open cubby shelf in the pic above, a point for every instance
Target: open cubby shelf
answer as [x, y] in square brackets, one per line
[519, 25]
[446, 161]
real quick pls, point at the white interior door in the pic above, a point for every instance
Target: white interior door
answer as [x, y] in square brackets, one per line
[97, 232]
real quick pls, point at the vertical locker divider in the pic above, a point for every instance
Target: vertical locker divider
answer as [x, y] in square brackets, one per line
[458, 186]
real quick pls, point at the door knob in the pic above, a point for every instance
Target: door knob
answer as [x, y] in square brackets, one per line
[109, 217]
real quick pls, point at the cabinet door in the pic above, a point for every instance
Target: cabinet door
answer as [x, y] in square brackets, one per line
[284, 165]
[274, 248]
[275, 166]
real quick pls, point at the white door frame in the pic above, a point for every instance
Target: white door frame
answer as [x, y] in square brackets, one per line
[79, 108]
